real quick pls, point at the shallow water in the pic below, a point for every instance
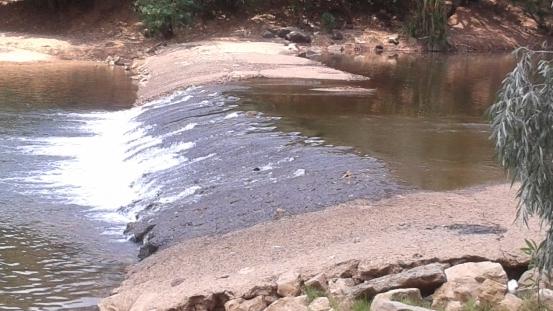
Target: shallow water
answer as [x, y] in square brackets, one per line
[425, 117]
[78, 162]
[56, 250]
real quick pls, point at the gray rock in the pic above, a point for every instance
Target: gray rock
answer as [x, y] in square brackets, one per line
[289, 304]
[289, 284]
[340, 287]
[392, 300]
[424, 277]
[268, 35]
[394, 39]
[320, 304]
[298, 36]
[283, 32]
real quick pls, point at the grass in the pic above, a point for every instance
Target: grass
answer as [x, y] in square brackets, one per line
[361, 305]
[313, 293]
[424, 304]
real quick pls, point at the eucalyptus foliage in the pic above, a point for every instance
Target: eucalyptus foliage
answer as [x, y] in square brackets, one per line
[522, 129]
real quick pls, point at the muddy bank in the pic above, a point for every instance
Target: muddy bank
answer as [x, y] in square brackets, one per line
[431, 226]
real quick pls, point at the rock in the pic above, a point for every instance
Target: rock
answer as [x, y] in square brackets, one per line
[319, 282]
[379, 48]
[394, 39]
[484, 282]
[297, 36]
[344, 270]
[510, 303]
[261, 290]
[427, 277]
[336, 35]
[392, 300]
[529, 280]
[478, 271]
[340, 287]
[255, 304]
[283, 32]
[289, 304]
[546, 298]
[335, 49]
[320, 304]
[289, 284]
[268, 35]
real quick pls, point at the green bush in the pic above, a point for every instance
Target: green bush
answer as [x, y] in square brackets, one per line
[328, 21]
[163, 16]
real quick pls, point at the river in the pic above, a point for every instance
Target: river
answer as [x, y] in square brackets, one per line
[78, 161]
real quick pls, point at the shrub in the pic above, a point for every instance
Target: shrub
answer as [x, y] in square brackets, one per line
[328, 21]
[521, 122]
[163, 16]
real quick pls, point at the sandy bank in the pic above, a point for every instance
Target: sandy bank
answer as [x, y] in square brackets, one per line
[414, 227]
[207, 62]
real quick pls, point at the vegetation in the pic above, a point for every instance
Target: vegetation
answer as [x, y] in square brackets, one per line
[521, 129]
[361, 305]
[429, 22]
[313, 293]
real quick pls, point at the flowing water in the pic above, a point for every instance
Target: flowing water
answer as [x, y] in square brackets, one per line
[78, 162]
[425, 118]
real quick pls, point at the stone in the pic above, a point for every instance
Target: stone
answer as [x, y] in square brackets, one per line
[392, 300]
[337, 35]
[283, 32]
[510, 303]
[319, 282]
[379, 48]
[320, 304]
[260, 290]
[484, 282]
[289, 304]
[428, 277]
[298, 36]
[340, 287]
[255, 304]
[344, 270]
[268, 35]
[529, 279]
[394, 39]
[289, 284]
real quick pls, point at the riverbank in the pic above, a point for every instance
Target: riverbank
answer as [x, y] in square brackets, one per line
[405, 230]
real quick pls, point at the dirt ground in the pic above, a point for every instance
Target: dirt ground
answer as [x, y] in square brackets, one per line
[112, 28]
[420, 226]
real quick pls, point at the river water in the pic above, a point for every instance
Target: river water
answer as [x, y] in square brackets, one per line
[78, 162]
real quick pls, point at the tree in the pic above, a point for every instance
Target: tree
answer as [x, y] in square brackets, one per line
[522, 130]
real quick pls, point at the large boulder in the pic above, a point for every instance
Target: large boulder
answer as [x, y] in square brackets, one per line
[483, 282]
[318, 282]
[320, 304]
[340, 287]
[427, 277]
[529, 280]
[255, 304]
[394, 300]
[289, 304]
[289, 284]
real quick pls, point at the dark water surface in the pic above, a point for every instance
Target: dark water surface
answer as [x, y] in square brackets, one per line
[425, 117]
[56, 252]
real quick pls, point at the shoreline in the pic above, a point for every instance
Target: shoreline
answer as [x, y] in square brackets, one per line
[357, 234]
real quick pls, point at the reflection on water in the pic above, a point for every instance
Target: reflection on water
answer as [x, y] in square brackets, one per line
[55, 254]
[72, 85]
[425, 117]
[40, 273]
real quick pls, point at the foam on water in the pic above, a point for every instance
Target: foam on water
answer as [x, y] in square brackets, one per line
[100, 161]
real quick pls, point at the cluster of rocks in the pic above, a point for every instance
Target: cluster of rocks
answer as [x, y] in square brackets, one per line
[291, 34]
[392, 288]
